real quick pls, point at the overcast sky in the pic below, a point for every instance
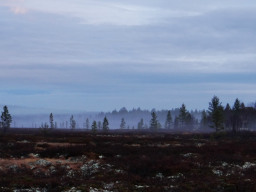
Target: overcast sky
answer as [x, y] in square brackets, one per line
[95, 55]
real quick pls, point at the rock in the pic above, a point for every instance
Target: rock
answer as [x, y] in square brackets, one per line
[43, 162]
[14, 168]
[71, 174]
[52, 170]
[73, 189]
[89, 168]
[34, 155]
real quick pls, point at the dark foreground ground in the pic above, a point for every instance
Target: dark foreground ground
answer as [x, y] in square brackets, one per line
[78, 161]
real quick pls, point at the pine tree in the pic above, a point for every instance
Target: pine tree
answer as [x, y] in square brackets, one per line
[122, 125]
[153, 121]
[51, 121]
[94, 127]
[72, 123]
[216, 115]
[236, 117]
[6, 119]
[105, 127]
[168, 122]
[87, 124]
[183, 116]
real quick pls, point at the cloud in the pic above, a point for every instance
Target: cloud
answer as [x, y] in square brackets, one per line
[121, 51]
[19, 10]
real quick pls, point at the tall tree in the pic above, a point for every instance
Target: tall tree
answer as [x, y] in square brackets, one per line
[185, 118]
[6, 119]
[153, 121]
[122, 124]
[72, 122]
[236, 117]
[168, 122]
[228, 116]
[51, 121]
[94, 127]
[105, 124]
[216, 115]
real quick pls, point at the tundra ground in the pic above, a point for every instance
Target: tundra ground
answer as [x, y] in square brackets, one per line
[131, 161]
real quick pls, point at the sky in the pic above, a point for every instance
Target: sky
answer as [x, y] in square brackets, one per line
[95, 55]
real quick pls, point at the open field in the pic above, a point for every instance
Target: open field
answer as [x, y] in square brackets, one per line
[132, 161]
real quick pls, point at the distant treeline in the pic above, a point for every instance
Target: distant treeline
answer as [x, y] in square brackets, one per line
[233, 117]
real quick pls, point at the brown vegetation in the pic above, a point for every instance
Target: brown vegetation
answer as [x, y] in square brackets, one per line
[128, 162]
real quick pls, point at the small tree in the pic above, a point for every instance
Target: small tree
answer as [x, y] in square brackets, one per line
[153, 121]
[168, 122]
[51, 121]
[105, 127]
[72, 122]
[94, 127]
[216, 115]
[122, 124]
[6, 119]
[204, 120]
[87, 124]
[141, 124]
[236, 117]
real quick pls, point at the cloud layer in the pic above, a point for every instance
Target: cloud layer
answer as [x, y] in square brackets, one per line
[116, 52]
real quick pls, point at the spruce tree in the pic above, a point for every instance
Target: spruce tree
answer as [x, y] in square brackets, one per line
[94, 127]
[236, 117]
[72, 123]
[122, 125]
[183, 116]
[105, 127]
[51, 121]
[168, 122]
[153, 121]
[87, 124]
[216, 115]
[6, 119]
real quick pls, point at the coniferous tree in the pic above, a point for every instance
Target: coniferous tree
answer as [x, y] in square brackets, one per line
[51, 121]
[6, 119]
[185, 118]
[141, 124]
[153, 121]
[168, 122]
[228, 116]
[94, 127]
[216, 115]
[236, 117]
[105, 127]
[87, 124]
[204, 120]
[72, 122]
[122, 125]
